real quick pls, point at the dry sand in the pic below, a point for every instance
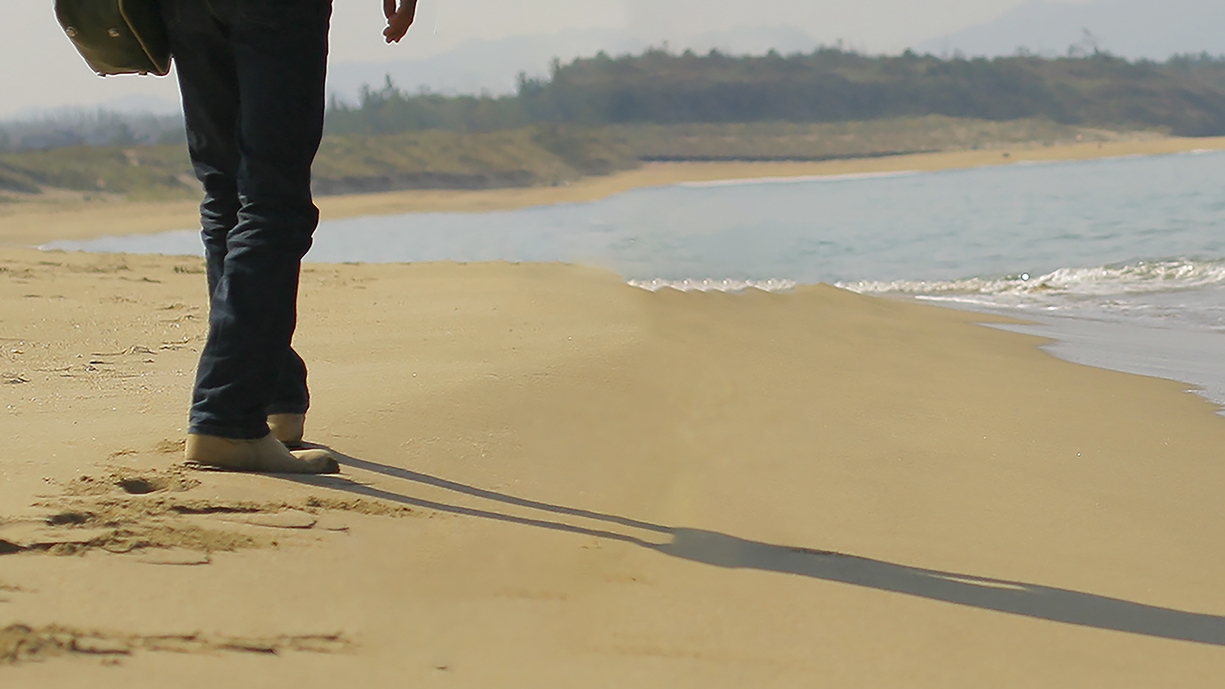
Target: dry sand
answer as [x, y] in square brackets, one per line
[30, 223]
[560, 480]
[554, 479]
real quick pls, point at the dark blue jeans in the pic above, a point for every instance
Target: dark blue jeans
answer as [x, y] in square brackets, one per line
[251, 73]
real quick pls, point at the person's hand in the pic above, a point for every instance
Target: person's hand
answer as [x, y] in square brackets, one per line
[398, 20]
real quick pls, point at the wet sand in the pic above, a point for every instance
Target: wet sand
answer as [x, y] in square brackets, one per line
[554, 479]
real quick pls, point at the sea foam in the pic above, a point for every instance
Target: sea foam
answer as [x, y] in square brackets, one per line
[713, 285]
[1140, 277]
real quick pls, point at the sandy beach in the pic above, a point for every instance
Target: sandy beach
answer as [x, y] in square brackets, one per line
[555, 479]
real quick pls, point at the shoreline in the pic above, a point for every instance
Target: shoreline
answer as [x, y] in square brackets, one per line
[1069, 343]
[33, 223]
[1190, 358]
[567, 470]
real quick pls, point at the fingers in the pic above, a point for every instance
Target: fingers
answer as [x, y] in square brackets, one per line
[400, 20]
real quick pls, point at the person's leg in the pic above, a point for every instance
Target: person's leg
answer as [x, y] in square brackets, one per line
[290, 394]
[210, 92]
[208, 82]
[280, 53]
[254, 122]
[283, 56]
[287, 413]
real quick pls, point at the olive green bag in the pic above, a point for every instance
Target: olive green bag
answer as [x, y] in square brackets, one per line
[117, 36]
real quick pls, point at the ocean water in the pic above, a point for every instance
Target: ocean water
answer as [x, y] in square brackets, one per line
[1120, 261]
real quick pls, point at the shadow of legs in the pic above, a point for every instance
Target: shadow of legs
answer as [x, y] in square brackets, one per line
[722, 550]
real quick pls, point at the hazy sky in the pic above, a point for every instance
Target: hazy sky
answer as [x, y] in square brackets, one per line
[40, 68]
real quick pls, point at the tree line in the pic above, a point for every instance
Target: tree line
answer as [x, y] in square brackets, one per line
[80, 127]
[1184, 95]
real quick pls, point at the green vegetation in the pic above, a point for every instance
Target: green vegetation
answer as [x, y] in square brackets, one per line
[529, 156]
[833, 140]
[598, 115]
[142, 172]
[346, 164]
[390, 110]
[1184, 96]
[80, 127]
[445, 159]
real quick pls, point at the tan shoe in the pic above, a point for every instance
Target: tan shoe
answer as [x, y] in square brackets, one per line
[287, 428]
[266, 455]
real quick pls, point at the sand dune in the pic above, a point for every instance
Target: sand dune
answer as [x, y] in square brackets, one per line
[554, 479]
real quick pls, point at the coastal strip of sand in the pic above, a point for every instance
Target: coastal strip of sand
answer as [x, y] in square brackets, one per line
[35, 222]
[556, 479]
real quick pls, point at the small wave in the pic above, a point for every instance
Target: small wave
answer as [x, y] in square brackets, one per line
[1142, 277]
[709, 285]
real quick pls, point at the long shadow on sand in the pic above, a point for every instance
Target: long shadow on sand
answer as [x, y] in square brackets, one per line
[721, 550]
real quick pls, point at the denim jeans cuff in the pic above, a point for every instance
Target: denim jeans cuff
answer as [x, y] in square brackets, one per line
[252, 433]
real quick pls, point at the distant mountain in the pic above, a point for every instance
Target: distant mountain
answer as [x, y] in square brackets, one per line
[493, 65]
[1154, 29]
